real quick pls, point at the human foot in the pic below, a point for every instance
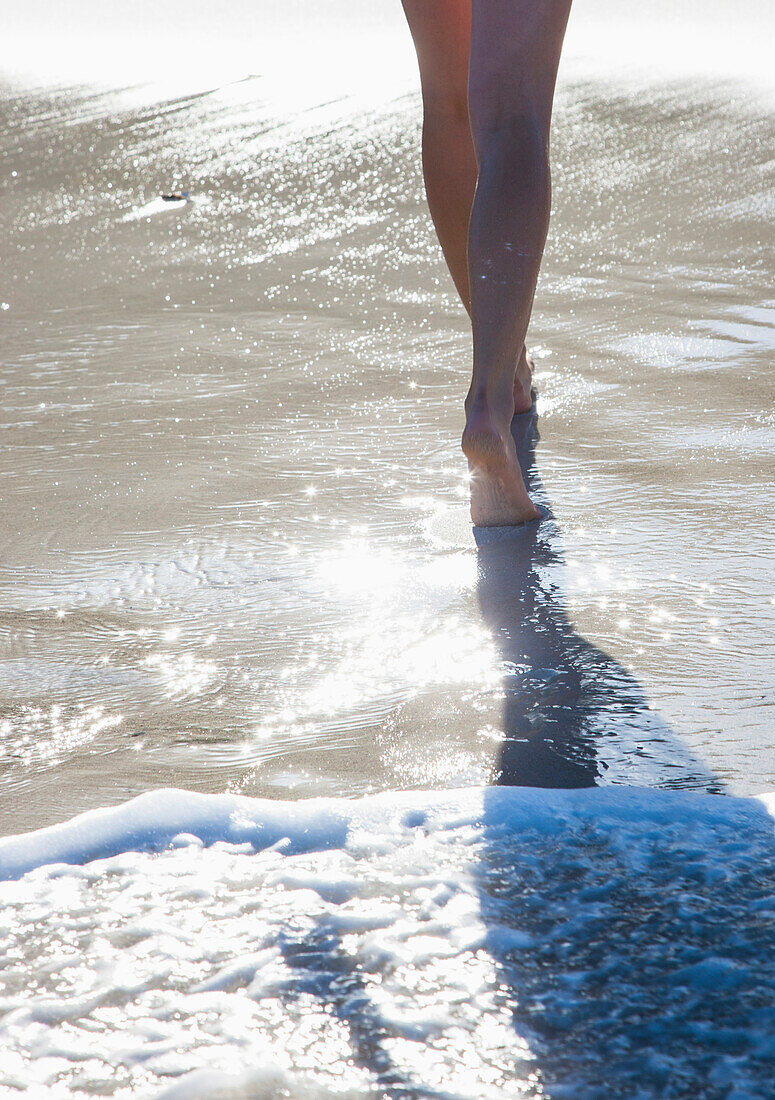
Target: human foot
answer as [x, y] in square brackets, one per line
[498, 494]
[523, 383]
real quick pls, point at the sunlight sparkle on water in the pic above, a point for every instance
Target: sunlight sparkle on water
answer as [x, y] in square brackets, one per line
[184, 674]
[399, 632]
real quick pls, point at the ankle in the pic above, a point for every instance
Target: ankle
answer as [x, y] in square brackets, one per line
[496, 406]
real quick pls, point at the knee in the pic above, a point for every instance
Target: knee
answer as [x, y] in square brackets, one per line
[516, 138]
[513, 159]
[446, 104]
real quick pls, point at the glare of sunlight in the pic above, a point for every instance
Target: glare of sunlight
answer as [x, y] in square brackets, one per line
[358, 568]
[182, 674]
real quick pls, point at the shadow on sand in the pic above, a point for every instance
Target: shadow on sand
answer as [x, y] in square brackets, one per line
[570, 709]
[631, 926]
[649, 909]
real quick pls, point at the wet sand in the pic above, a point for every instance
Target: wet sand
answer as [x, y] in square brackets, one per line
[235, 550]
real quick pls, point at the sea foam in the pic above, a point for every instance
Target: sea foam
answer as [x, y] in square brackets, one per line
[414, 944]
[157, 819]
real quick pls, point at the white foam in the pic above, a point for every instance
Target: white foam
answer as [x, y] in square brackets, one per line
[214, 945]
[155, 207]
[163, 818]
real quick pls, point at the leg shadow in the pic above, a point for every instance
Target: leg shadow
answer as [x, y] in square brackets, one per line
[571, 712]
[648, 909]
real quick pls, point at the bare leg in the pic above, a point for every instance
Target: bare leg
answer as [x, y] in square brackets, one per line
[441, 30]
[515, 52]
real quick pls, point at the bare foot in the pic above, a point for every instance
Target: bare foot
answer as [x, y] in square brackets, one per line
[523, 383]
[498, 494]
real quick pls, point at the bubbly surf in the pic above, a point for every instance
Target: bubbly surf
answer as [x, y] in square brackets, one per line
[426, 943]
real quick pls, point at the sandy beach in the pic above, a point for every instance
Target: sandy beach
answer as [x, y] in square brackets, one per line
[236, 555]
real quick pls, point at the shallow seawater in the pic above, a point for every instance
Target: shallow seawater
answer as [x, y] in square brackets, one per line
[236, 550]
[236, 561]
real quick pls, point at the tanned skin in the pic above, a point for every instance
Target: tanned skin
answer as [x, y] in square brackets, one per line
[488, 69]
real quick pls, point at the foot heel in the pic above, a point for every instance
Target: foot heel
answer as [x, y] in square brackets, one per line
[484, 449]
